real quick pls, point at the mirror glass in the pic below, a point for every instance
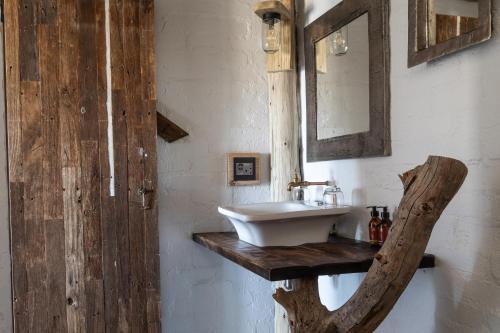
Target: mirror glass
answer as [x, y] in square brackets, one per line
[343, 81]
[451, 18]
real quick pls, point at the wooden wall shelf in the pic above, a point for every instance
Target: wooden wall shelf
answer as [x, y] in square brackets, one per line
[338, 256]
[168, 130]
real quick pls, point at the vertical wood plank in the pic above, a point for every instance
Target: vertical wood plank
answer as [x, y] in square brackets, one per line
[132, 58]
[121, 209]
[12, 85]
[28, 17]
[428, 20]
[116, 16]
[284, 132]
[56, 284]
[53, 212]
[19, 253]
[284, 151]
[70, 136]
[87, 70]
[152, 249]
[75, 271]
[49, 63]
[148, 59]
[20, 288]
[94, 289]
[69, 111]
[33, 147]
[109, 238]
[89, 134]
[152, 246]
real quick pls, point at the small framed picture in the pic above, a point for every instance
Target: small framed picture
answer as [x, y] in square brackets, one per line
[243, 169]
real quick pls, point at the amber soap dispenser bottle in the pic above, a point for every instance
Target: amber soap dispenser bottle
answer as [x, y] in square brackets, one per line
[385, 226]
[374, 226]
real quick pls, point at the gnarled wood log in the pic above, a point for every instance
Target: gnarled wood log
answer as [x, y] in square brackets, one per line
[428, 190]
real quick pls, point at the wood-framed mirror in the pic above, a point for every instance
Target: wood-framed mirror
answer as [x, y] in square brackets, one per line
[347, 61]
[440, 27]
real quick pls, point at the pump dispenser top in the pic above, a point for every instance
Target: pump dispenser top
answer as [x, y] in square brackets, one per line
[385, 212]
[374, 212]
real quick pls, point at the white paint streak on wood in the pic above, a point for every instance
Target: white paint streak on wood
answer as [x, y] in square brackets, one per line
[109, 102]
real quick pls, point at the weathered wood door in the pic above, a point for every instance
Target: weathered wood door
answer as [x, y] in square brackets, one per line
[80, 84]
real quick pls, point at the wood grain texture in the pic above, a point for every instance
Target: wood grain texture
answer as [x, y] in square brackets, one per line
[423, 34]
[168, 130]
[428, 189]
[418, 23]
[32, 147]
[449, 26]
[377, 141]
[272, 6]
[338, 256]
[82, 261]
[284, 127]
[149, 137]
[283, 123]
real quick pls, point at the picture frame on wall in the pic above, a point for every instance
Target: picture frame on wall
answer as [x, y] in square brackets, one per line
[243, 169]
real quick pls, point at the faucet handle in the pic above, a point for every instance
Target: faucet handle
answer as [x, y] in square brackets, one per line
[296, 177]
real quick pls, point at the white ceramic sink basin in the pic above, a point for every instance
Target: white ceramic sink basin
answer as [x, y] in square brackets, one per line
[287, 223]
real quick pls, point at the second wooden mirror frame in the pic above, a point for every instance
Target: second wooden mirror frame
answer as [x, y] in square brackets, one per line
[419, 48]
[377, 141]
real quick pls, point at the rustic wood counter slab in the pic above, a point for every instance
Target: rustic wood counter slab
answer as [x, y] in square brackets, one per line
[338, 256]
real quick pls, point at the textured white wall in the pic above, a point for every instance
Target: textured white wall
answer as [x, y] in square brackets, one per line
[448, 107]
[212, 82]
[5, 293]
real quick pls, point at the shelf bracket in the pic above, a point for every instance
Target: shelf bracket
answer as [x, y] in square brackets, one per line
[168, 130]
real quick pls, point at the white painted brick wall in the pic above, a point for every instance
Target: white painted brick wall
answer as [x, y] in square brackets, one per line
[449, 107]
[212, 82]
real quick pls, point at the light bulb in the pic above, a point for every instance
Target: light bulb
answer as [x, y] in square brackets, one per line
[271, 32]
[340, 42]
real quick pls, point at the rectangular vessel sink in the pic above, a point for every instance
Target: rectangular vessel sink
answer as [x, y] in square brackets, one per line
[287, 223]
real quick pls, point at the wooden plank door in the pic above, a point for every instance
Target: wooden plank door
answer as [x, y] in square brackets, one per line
[81, 99]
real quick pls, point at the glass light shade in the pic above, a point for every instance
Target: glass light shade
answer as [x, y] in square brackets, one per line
[340, 44]
[271, 33]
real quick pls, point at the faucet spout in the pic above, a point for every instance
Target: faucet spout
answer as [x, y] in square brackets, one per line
[294, 183]
[297, 183]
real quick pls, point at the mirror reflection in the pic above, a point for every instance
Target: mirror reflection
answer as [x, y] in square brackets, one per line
[343, 81]
[451, 18]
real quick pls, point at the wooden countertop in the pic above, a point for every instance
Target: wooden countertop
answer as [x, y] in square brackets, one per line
[338, 256]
